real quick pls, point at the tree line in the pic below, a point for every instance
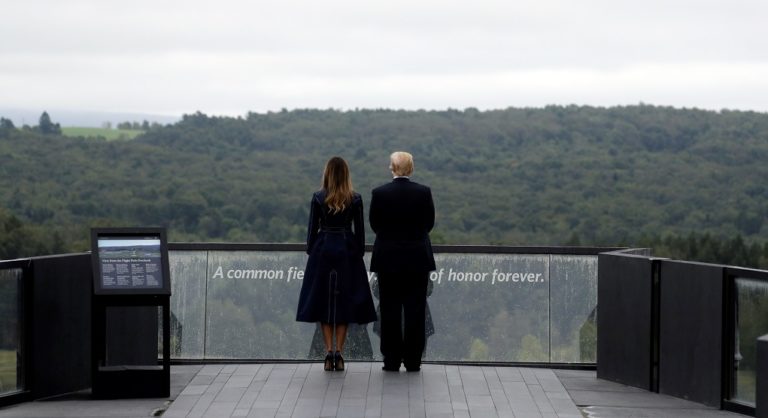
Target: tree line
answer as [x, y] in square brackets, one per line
[145, 125]
[44, 126]
[683, 181]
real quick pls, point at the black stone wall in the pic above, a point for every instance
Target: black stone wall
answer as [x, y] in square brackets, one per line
[60, 325]
[762, 377]
[691, 331]
[624, 319]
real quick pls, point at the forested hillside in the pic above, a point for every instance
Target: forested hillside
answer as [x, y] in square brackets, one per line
[633, 175]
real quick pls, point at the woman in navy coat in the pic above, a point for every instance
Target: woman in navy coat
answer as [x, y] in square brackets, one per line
[335, 290]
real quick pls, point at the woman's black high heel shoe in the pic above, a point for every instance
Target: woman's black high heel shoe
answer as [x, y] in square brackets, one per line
[338, 362]
[329, 360]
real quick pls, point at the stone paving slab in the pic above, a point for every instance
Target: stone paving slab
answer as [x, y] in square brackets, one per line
[599, 398]
[364, 390]
[80, 404]
[307, 391]
[610, 412]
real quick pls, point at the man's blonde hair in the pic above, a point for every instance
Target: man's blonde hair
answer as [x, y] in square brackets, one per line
[401, 163]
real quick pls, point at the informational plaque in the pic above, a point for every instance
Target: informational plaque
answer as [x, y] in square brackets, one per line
[130, 261]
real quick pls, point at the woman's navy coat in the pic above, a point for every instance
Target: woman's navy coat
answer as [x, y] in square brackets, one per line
[335, 289]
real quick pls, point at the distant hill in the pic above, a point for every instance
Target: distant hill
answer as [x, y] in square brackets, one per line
[551, 176]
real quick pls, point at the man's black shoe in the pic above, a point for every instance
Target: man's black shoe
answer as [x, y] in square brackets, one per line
[413, 369]
[391, 368]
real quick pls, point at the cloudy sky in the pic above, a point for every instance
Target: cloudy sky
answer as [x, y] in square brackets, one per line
[231, 56]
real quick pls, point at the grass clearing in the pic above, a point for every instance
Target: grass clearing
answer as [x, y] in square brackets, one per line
[8, 371]
[108, 134]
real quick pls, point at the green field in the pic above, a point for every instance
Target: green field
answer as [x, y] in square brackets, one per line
[108, 134]
[7, 371]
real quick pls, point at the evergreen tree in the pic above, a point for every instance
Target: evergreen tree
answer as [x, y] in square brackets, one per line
[47, 127]
[6, 126]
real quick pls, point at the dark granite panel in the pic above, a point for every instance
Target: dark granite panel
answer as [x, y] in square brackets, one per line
[690, 332]
[61, 324]
[624, 320]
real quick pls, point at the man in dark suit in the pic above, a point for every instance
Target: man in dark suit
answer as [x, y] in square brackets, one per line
[402, 214]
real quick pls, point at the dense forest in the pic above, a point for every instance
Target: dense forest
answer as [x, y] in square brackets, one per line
[688, 183]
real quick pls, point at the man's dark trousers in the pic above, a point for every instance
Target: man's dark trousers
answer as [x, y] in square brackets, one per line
[404, 293]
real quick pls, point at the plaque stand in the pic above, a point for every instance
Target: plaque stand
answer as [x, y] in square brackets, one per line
[125, 314]
[112, 381]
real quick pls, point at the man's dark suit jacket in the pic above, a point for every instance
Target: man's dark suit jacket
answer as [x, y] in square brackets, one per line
[402, 214]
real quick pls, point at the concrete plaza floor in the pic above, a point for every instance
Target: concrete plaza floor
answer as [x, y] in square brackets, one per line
[364, 390]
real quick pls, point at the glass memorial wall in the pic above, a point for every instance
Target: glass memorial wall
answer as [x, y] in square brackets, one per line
[188, 301]
[10, 330]
[751, 315]
[241, 304]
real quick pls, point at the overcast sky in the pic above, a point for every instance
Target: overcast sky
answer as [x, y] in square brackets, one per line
[230, 57]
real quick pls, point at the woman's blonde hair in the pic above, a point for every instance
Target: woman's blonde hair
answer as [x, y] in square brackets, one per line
[337, 184]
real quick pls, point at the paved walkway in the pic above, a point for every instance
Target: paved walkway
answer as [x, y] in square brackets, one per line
[364, 390]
